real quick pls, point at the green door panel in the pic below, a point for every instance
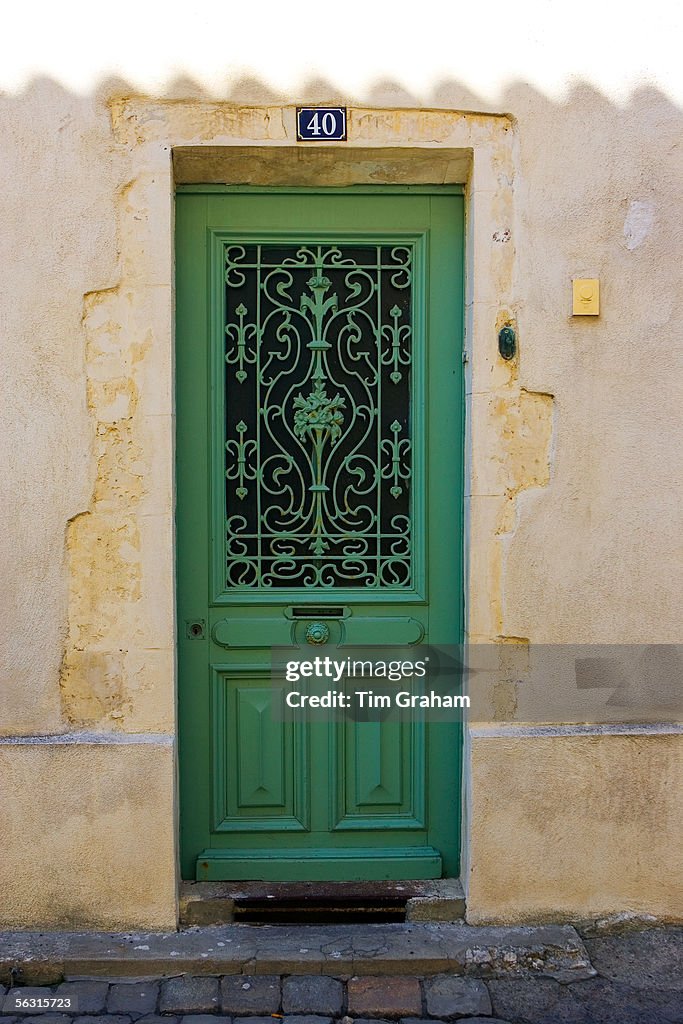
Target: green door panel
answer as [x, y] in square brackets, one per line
[259, 766]
[241, 632]
[389, 629]
[319, 407]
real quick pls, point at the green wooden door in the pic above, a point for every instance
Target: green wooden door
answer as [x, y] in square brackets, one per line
[319, 480]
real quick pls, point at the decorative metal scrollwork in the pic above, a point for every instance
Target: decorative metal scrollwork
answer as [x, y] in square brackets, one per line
[319, 443]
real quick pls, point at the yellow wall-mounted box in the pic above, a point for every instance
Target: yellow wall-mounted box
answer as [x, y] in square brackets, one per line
[586, 296]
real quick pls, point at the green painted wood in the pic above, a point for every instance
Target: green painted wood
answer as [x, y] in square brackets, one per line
[381, 775]
[321, 865]
[260, 771]
[394, 630]
[259, 765]
[243, 632]
[332, 190]
[328, 800]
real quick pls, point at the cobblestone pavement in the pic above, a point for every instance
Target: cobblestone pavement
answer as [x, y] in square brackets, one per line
[639, 980]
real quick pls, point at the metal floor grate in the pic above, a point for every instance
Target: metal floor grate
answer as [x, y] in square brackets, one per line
[322, 903]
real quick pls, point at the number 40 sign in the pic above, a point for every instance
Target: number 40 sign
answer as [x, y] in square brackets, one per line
[321, 124]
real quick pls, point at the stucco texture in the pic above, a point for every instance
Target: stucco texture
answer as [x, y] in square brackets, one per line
[574, 518]
[87, 835]
[576, 827]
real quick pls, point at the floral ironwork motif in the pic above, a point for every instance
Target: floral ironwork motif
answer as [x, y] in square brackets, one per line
[318, 444]
[318, 416]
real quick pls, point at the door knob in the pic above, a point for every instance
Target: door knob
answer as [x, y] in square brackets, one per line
[318, 633]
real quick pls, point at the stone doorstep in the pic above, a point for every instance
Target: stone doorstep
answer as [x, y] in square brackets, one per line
[212, 903]
[554, 951]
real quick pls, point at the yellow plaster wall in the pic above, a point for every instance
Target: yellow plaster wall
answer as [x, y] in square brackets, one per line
[575, 827]
[574, 517]
[118, 666]
[87, 836]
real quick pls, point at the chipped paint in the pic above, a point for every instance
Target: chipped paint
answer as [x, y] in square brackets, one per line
[639, 223]
[525, 424]
[103, 544]
[135, 121]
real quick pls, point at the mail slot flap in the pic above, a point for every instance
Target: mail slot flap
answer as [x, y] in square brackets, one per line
[253, 632]
[370, 632]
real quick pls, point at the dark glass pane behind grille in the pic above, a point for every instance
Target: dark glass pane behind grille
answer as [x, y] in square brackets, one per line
[318, 431]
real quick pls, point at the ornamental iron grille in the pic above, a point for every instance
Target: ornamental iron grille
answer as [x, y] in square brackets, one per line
[319, 448]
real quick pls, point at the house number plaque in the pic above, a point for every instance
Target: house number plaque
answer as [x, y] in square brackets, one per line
[321, 124]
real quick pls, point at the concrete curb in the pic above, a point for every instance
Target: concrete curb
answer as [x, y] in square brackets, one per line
[554, 951]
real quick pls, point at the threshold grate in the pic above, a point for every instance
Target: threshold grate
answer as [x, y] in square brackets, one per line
[322, 903]
[319, 912]
[261, 902]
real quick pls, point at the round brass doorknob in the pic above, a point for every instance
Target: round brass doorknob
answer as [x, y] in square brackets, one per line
[318, 633]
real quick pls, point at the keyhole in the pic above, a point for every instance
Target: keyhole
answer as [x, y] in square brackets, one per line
[195, 630]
